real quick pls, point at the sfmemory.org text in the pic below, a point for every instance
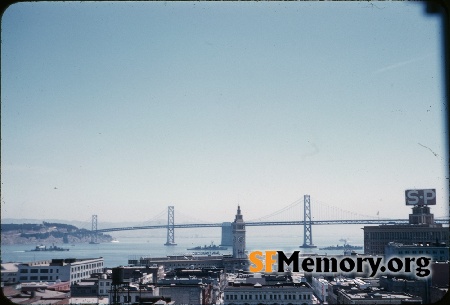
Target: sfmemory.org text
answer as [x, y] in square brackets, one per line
[263, 261]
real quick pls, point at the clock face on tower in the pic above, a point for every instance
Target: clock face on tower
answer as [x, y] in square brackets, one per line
[241, 239]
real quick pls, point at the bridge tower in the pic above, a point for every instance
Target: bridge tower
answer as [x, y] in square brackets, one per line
[170, 226]
[94, 230]
[307, 232]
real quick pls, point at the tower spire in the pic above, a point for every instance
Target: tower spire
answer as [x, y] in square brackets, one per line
[238, 217]
[238, 229]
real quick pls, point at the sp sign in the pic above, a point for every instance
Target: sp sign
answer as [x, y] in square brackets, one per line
[420, 197]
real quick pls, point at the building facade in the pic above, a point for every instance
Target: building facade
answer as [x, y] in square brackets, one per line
[71, 270]
[436, 251]
[420, 230]
[193, 293]
[281, 294]
[418, 288]
[9, 273]
[320, 288]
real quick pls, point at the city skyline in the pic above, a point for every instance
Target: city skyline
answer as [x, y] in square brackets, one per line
[122, 109]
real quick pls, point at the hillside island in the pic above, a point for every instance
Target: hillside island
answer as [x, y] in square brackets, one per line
[47, 233]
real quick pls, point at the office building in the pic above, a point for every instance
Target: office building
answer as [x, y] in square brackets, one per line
[420, 230]
[71, 269]
[436, 251]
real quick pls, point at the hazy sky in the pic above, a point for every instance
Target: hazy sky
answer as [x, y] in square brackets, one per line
[121, 109]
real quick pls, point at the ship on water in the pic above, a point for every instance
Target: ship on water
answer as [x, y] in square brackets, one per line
[211, 247]
[51, 248]
[346, 246]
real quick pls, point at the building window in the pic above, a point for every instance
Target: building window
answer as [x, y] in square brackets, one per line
[23, 270]
[44, 270]
[33, 278]
[34, 271]
[44, 278]
[23, 278]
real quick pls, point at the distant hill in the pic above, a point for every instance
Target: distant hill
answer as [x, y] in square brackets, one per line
[45, 233]
[83, 224]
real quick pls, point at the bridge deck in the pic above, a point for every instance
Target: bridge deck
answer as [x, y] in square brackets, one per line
[273, 223]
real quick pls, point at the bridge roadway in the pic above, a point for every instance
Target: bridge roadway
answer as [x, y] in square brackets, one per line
[271, 223]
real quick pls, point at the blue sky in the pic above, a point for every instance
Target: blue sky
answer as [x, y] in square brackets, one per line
[121, 109]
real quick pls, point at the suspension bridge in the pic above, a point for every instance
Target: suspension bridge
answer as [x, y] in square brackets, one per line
[331, 216]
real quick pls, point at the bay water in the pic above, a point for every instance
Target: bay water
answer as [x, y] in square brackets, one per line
[134, 244]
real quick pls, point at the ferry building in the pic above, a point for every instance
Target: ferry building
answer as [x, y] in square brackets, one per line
[230, 263]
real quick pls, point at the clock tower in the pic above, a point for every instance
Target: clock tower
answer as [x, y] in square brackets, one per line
[238, 229]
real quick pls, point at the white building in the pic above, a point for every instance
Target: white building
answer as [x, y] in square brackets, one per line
[104, 285]
[9, 272]
[70, 269]
[281, 294]
[320, 287]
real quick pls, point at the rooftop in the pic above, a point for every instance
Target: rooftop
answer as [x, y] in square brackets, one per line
[261, 286]
[10, 267]
[356, 294]
[61, 262]
[89, 300]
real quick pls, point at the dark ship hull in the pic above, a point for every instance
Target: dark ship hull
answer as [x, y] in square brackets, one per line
[208, 248]
[42, 248]
[344, 247]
